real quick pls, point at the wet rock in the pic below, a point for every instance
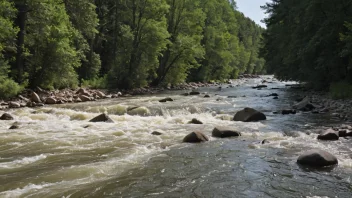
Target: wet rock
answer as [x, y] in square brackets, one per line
[100, 94]
[260, 86]
[195, 137]
[192, 93]
[342, 133]
[273, 94]
[23, 98]
[265, 141]
[329, 134]
[156, 133]
[50, 100]
[87, 126]
[81, 91]
[317, 158]
[77, 100]
[14, 105]
[35, 98]
[349, 134]
[195, 121]
[315, 112]
[288, 111]
[276, 98]
[141, 111]
[166, 100]
[249, 115]
[224, 132]
[30, 104]
[15, 125]
[206, 96]
[102, 118]
[84, 98]
[6, 116]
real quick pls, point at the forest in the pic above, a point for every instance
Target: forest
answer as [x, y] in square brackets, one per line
[123, 44]
[310, 41]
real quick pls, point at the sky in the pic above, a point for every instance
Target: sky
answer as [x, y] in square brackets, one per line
[251, 9]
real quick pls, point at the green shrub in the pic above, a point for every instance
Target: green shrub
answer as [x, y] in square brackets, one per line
[341, 90]
[95, 83]
[9, 88]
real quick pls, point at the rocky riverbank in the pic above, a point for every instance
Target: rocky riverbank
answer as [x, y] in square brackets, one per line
[40, 97]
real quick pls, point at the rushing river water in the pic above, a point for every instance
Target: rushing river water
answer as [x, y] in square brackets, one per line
[58, 153]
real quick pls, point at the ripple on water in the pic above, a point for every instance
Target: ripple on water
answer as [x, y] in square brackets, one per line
[57, 152]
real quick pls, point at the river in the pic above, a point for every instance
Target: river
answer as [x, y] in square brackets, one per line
[56, 152]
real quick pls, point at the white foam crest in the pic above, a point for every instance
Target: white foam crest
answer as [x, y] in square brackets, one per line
[22, 162]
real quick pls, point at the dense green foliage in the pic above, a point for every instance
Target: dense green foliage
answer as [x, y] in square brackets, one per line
[309, 41]
[124, 43]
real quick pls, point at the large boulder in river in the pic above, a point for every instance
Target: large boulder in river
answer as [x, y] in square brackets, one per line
[166, 100]
[317, 158]
[224, 132]
[35, 98]
[102, 118]
[50, 100]
[6, 116]
[249, 115]
[329, 134]
[195, 137]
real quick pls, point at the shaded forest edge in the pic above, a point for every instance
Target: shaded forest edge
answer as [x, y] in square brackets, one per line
[310, 41]
[114, 44]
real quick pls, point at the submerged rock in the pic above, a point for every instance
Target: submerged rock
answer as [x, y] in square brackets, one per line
[317, 158]
[15, 126]
[192, 93]
[156, 133]
[195, 137]
[102, 118]
[260, 86]
[195, 121]
[6, 116]
[166, 100]
[249, 115]
[141, 111]
[288, 111]
[273, 94]
[265, 141]
[224, 132]
[329, 134]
